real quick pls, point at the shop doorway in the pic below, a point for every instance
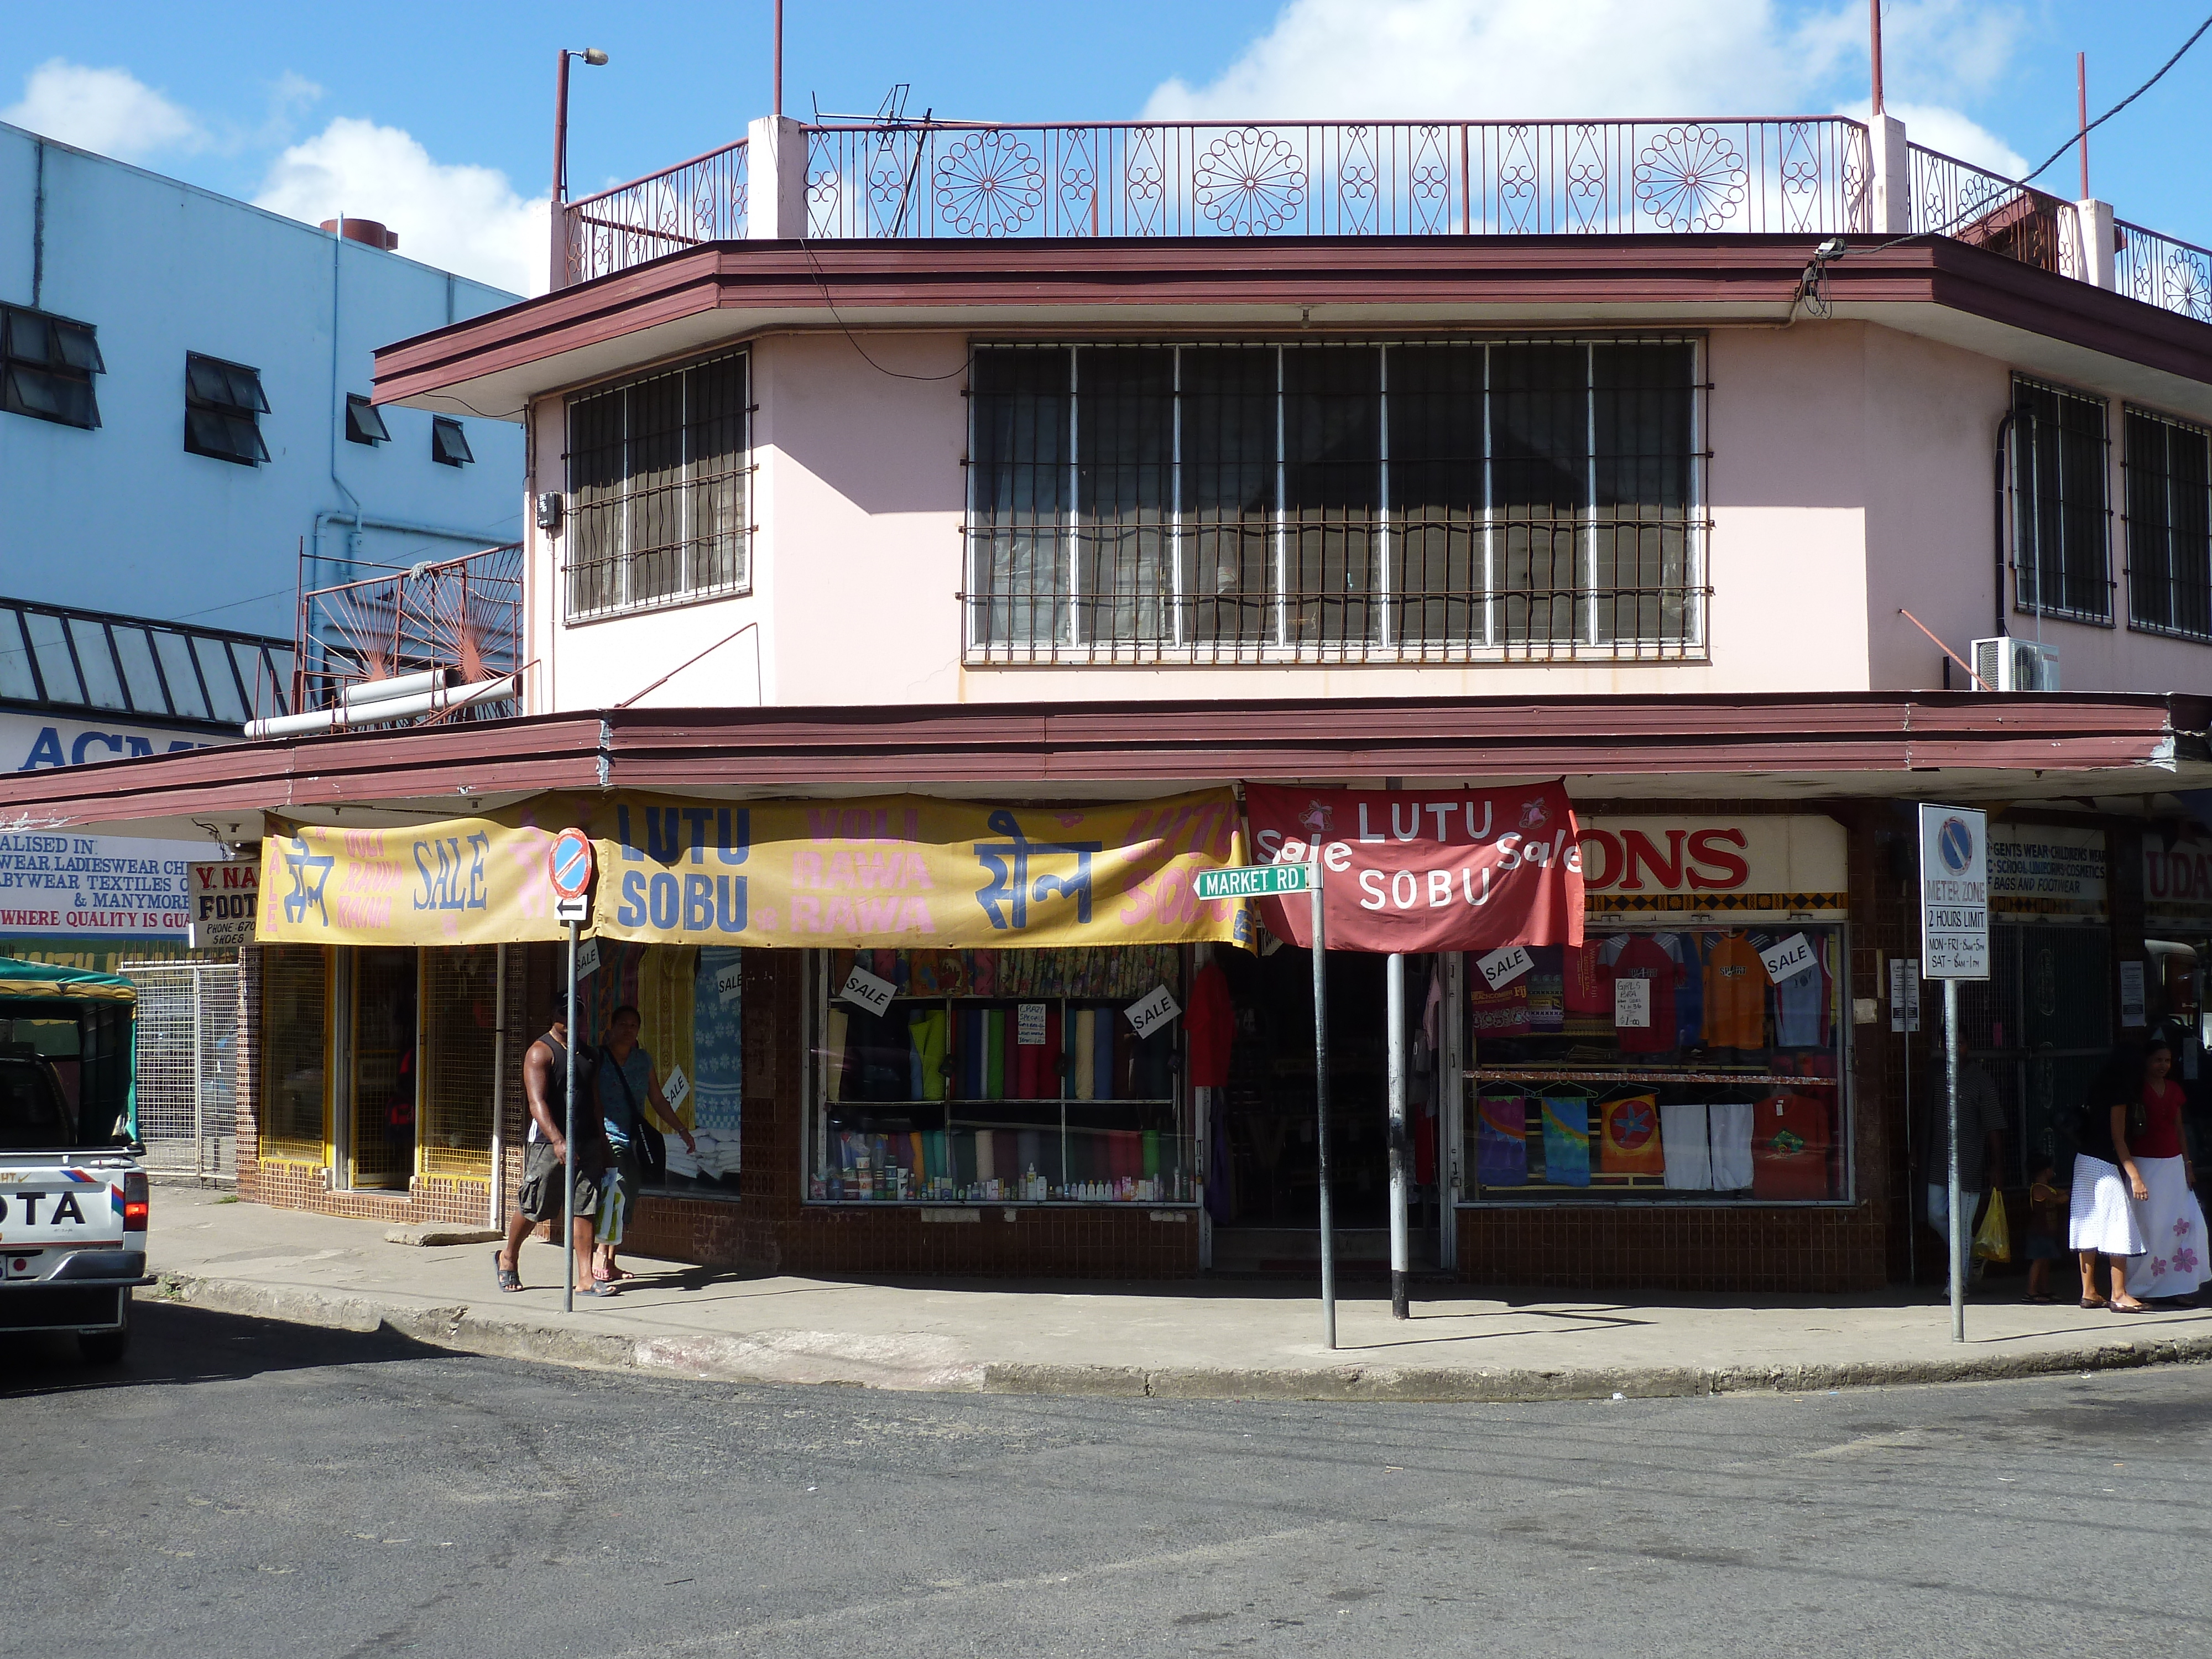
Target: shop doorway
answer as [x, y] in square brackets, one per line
[1267, 1217]
[2041, 1025]
[380, 1103]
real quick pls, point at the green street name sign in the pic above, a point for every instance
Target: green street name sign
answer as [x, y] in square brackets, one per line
[1254, 881]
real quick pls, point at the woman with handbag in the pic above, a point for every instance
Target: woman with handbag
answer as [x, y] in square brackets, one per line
[2101, 1219]
[2174, 1266]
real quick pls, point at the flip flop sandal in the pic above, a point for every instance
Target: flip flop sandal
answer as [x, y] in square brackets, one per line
[2095, 1303]
[508, 1279]
[595, 1289]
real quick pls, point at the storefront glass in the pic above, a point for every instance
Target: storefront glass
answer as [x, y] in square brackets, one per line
[690, 1004]
[1692, 1048]
[1001, 1077]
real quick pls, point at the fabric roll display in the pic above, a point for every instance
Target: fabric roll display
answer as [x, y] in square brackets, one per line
[1628, 1136]
[1501, 1140]
[1566, 1140]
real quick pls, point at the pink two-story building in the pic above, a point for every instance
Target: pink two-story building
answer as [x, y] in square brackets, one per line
[1757, 478]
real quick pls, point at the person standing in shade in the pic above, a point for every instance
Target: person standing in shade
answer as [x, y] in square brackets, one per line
[1981, 1150]
[545, 1156]
[2173, 1266]
[2101, 1219]
[629, 1095]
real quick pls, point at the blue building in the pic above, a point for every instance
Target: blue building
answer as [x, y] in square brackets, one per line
[184, 400]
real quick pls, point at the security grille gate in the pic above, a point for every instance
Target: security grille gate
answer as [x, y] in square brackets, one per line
[187, 1066]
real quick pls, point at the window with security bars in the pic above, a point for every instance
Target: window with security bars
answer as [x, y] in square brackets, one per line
[1431, 500]
[2169, 518]
[660, 477]
[2061, 510]
[46, 366]
[460, 1055]
[294, 1008]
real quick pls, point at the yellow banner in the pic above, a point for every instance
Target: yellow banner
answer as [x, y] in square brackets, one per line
[901, 870]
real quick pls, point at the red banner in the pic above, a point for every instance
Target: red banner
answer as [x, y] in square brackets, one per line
[1426, 870]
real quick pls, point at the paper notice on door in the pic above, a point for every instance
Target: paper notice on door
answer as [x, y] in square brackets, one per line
[1030, 1028]
[587, 958]
[728, 983]
[675, 1087]
[1501, 967]
[1155, 1010]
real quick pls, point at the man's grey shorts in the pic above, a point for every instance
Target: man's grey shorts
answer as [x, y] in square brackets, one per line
[543, 1196]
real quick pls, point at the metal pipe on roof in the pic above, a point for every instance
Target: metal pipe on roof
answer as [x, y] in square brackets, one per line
[379, 711]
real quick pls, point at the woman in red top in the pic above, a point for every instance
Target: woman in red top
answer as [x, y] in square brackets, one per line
[2165, 1190]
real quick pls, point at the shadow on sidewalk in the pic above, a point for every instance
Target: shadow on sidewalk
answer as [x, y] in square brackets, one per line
[174, 1345]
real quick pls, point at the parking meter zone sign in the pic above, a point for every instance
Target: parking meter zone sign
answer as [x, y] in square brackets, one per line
[1954, 893]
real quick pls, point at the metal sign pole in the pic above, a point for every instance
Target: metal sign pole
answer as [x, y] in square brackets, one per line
[1394, 978]
[569, 1163]
[1958, 1220]
[1320, 1110]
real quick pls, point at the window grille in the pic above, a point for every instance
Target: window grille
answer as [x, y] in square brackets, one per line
[660, 475]
[46, 366]
[460, 1054]
[223, 404]
[1430, 501]
[295, 1008]
[364, 421]
[2061, 511]
[2169, 524]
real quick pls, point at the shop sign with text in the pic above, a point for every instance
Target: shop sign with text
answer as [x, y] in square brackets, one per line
[1796, 865]
[93, 887]
[2178, 883]
[889, 872]
[2046, 872]
[1414, 870]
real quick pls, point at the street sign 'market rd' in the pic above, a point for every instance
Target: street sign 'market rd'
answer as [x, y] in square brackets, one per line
[1254, 881]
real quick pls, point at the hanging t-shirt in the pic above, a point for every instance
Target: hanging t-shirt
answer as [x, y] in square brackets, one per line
[1641, 957]
[1501, 1140]
[1729, 1130]
[1735, 993]
[1212, 1021]
[1628, 1136]
[1566, 1140]
[1583, 988]
[1789, 1141]
[1689, 990]
[1689, 1154]
[1800, 1003]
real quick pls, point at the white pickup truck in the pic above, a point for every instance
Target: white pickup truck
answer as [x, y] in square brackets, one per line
[73, 1198]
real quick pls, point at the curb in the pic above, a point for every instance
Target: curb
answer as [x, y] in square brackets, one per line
[925, 1364]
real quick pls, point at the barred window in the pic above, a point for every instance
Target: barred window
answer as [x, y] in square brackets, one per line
[1232, 502]
[660, 475]
[2169, 507]
[2061, 511]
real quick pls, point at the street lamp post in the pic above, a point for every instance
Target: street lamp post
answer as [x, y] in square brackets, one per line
[557, 274]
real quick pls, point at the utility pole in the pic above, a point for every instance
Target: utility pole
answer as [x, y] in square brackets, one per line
[2081, 108]
[1874, 27]
[778, 108]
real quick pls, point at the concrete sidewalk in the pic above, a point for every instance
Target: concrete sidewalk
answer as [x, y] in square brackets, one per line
[1206, 1339]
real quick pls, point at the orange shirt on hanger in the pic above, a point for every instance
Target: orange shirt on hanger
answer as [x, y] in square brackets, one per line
[1735, 993]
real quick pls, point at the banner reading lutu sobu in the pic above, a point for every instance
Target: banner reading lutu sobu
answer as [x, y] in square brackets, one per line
[902, 870]
[1426, 870]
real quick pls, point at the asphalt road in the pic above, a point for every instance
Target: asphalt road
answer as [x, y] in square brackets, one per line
[240, 1488]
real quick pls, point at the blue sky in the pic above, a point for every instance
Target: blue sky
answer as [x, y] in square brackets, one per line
[436, 116]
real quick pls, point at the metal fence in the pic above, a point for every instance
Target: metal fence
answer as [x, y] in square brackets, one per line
[187, 1066]
[2160, 271]
[1970, 204]
[463, 615]
[704, 199]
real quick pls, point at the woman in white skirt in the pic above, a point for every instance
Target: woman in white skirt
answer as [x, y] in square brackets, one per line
[2101, 1218]
[2174, 1263]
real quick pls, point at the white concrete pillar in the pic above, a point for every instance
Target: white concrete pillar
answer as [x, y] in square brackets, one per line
[2095, 262]
[775, 170]
[1892, 176]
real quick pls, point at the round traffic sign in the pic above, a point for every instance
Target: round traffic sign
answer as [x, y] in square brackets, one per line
[570, 863]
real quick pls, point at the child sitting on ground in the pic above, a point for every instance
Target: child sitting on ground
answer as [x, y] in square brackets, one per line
[2046, 1228]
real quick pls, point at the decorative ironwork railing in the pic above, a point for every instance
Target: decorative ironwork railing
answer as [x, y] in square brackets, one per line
[463, 615]
[2174, 276]
[1337, 178]
[1955, 198]
[704, 199]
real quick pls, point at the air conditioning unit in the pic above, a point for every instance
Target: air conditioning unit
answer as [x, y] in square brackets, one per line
[2011, 664]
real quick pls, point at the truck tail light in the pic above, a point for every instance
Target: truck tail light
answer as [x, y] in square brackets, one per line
[136, 1206]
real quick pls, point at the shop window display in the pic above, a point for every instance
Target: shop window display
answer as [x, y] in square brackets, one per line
[1692, 1065]
[1001, 1077]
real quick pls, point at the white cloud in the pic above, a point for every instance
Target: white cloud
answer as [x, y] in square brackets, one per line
[1505, 59]
[1933, 127]
[466, 219]
[109, 110]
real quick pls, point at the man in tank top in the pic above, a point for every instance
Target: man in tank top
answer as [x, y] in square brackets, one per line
[543, 1196]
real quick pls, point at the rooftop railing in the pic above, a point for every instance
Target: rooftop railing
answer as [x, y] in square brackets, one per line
[1790, 176]
[462, 616]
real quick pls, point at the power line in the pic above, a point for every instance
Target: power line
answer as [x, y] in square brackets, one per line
[2122, 104]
